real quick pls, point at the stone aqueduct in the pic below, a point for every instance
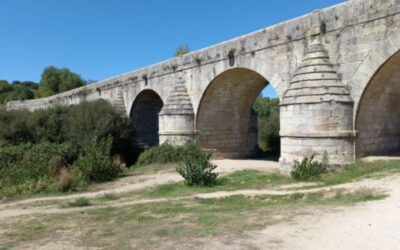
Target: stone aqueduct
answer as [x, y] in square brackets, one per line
[336, 72]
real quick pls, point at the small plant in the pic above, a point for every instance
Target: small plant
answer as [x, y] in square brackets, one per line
[198, 60]
[83, 92]
[80, 202]
[182, 50]
[197, 169]
[307, 169]
[71, 179]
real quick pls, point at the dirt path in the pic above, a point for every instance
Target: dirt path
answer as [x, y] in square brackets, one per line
[18, 209]
[372, 225]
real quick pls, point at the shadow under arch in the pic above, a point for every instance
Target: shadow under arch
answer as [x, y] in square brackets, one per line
[377, 119]
[225, 123]
[144, 119]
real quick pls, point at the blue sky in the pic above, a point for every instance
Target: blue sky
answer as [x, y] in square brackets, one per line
[102, 38]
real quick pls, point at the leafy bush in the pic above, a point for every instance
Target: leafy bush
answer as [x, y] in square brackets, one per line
[76, 124]
[15, 126]
[98, 118]
[167, 153]
[39, 149]
[196, 168]
[308, 169]
[31, 161]
[96, 162]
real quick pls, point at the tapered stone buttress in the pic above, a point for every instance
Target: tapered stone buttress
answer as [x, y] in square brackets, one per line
[316, 113]
[176, 119]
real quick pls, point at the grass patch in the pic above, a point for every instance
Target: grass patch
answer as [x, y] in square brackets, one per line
[245, 179]
[80, 202]
[110, 197]
[343, 197]
[149, 169]
[144, 225]
[359, 170]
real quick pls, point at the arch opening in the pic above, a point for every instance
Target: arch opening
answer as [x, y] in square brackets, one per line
[144, 119]
[226, 122]
[378, 114]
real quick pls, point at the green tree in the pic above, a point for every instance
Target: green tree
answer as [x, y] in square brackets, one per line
[4, 86]
[20, 93]
[183, 49]
[55, 80]
[268, 123]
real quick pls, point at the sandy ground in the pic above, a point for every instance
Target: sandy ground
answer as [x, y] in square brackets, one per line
[372, 225]
[381, 158]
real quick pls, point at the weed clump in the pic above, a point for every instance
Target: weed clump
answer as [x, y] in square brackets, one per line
[80, 202]
[196, 168]
[308, 169]
[193, 164]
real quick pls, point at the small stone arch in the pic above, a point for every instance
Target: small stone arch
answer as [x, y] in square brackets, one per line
[144, 118]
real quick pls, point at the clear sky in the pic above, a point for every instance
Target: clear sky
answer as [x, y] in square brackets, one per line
[102, 38]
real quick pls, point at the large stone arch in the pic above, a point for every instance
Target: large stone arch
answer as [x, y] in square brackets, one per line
[223, 119]
[278, 77]
[144, 118]
[377, 56]
[378, 113]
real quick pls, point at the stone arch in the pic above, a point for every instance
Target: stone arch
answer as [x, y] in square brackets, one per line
[378, 113]
[224, 124]
[278, 77]
[377, 56]
[144, 118]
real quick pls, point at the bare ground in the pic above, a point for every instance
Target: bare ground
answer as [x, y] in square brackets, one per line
[372, 225]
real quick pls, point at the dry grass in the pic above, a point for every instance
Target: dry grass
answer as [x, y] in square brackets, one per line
[178, 222]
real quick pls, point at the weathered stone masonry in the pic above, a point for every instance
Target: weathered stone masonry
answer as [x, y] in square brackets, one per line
[336, 72]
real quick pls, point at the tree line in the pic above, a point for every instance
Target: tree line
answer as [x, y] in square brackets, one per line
[53, 81]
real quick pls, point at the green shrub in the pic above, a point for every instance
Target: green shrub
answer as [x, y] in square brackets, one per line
[197, 169]
[37, 149]
[96, 163]
[15, 126]
[167, 153]
[31, 161]
[32, 168]
[308, 169]
[76, 124]
[95, 119]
